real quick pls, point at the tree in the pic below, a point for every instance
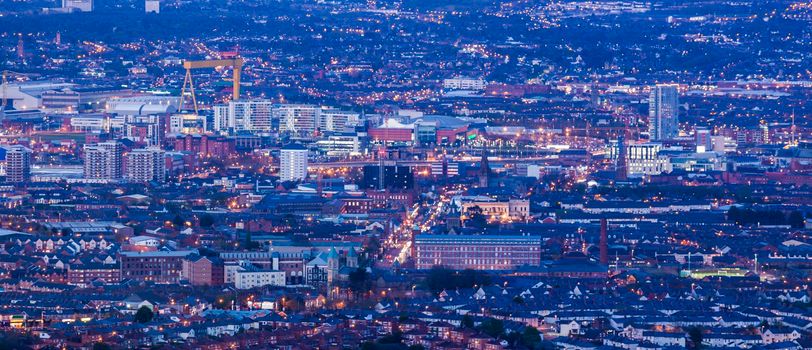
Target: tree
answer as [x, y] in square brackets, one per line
[796, 219]
[733, 214]
[143, 315]
[101, 346]
[467, 321]
[394, 338]
[178, 222]
[249, 242]
[476, 218]
[374, 245]
[440, 278]
[289, 220]
[492, 327]
[531, 337]
[359, 280]
[206, 220]
[695, 334]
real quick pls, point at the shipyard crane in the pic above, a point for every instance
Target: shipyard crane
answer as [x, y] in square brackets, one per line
[235, 63]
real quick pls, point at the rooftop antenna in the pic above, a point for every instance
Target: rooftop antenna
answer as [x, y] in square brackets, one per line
[792, 129]
[20, 47]
[755, 264]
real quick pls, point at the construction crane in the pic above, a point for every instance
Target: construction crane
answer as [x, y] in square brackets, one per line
[235, 63]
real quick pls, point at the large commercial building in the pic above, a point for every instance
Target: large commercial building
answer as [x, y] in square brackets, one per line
[513, 209]
[388, 176]
[331, 119]
[340, 145]
[76, 98]
[145, 165]
[464, 83]
[18, 164]
[641, 158]
[663, 112]
[103, 161]
[645, 159]
[293, 163]
[477, 252]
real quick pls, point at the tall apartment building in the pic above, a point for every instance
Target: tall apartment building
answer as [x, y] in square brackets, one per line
[103, 160]
[244, 115]
[297, 118]
[663, 112]
[293, 163]
[331, 119]
[144, 165]
[145, 129]
[18, 164]
[265, 116]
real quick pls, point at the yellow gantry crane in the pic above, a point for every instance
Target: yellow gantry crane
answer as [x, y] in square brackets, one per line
[235, 63]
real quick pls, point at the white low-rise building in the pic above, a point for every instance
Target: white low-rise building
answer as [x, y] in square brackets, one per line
[249, 277]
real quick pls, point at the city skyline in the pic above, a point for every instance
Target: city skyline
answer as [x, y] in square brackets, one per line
[405, 174]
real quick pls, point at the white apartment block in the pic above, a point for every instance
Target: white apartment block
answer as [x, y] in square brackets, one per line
[144, 165]
[464, 83]
[103, 161]
[264, 116]
[293, 163]
[253, 278]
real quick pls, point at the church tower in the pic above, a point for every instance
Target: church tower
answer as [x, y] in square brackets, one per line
[352, 258]
[332, 266]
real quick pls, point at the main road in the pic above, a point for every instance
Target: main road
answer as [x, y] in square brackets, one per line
[426, 163]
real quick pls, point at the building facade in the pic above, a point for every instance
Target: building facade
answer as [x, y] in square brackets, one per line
[477, 252]
[103, 161]
[145, 165]
[158, 266]
[203, 271]
[247, 278]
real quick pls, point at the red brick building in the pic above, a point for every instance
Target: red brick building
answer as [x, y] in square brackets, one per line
[203, 271]
[85, 274]
[477, 252]
[205, 145]
[157, 266]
